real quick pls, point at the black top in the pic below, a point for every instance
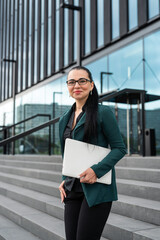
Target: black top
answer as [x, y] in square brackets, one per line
[70, 182]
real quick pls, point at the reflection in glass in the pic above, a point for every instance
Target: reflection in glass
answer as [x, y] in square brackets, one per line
[100, 14]
[133, 10]
[19, 68]
[57, 37]
[153, 8]
[115, 19]
[29, 62]
[152, 75]
[35, 55]
[30, 17]
[87, 27]
[76, 3]
[66, 37]
[24, 65]
[127, 67]
[25, 19]
[49, 45]
[36, 14]
[96, 68]
[42, 52]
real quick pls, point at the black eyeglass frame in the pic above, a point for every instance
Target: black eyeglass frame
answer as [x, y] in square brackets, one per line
[87, 80]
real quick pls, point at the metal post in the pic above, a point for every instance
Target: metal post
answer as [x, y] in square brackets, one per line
[13, 96]
[79, 41]
[14, 103]
[54, 115]
[128, 136]
[49, 141]
[79, 29]
[143, 122]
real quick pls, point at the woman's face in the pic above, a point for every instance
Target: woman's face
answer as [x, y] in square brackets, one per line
[79, 92]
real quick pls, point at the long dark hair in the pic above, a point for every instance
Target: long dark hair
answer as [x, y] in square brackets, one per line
[91, 109]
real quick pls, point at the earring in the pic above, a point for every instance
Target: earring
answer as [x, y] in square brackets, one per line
[91, 92]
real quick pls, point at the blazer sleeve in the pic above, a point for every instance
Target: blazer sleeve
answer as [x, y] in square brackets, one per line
[112, 133]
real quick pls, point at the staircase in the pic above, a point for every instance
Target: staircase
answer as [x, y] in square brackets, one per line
[30, 207]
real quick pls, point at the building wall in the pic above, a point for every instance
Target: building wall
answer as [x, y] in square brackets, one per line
[120, 37]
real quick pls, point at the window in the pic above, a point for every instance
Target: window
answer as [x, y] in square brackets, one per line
[57, 36]
[100, 14]
[132, 10]
[115, 19]
[87, 27]
[153, 8]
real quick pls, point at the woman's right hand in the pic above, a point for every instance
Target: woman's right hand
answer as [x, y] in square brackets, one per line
[62, 192]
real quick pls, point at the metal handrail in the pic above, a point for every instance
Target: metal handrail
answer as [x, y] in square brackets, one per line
[4, 130]
[25, 120]
[24, 134]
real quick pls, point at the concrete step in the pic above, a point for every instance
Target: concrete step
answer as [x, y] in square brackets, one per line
[140, 174]
[144, 162]
[38, 223]
[123, 228]
[11, 231]
[48, 227]
[46, 187]
[131, 161]
[33, 173]
[33, 165]
[32, 158]
[137, 208]
[133, 188]
[40, 201]
[34, 221]
[140, 189]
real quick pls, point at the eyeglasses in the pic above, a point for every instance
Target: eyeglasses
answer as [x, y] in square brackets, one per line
[81, 81]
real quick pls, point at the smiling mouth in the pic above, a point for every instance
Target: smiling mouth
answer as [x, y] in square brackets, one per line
[77, 92]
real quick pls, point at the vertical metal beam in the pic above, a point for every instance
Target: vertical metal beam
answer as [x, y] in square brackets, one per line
[45, 37]
[123, 8]
[142, 12]
[82, 5]
[144, 73]
[143, 122]
[107, 22]
[39, 41]
[2, 52]
[71, 34]
[16, 70]
[53, 36]
[27, 44]
[5, 53]
[93, 28]
[61, 37]
[79, 40]
[13, 29]
[22, 37]
[128, 130]
[9, 37]
[32, 43]
[14, 103]
[13, 33]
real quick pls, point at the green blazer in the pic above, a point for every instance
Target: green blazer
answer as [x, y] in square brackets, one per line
[108, 134]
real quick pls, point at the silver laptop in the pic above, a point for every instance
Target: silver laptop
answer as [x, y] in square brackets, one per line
[78, 156]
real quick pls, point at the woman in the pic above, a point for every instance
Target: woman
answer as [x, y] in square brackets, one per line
[87, 203]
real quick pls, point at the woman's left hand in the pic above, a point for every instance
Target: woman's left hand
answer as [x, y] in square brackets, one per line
[88, 176]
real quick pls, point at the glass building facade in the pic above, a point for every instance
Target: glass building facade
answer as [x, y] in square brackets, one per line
[119, 38]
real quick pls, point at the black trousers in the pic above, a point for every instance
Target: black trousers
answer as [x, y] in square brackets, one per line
[81, 221]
